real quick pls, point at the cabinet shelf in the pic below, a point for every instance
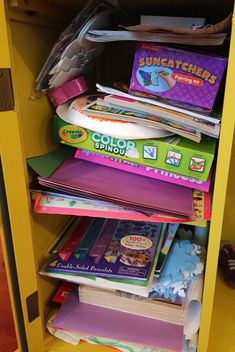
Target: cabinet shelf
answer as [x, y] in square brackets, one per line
[26, 132]
[56, 345]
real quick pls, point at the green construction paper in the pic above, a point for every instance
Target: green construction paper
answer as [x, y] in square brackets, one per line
[44, 165]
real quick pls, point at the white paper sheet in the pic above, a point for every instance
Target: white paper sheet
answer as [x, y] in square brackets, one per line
[193, 308]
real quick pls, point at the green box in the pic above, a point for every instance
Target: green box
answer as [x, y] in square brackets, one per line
[174, 154]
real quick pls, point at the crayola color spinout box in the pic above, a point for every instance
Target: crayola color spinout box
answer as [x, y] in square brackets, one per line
[184, 76]
[174, 154]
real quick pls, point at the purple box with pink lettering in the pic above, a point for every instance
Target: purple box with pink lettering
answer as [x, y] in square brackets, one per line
[175, 74]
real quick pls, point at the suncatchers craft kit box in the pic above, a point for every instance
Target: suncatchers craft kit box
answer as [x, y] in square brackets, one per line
[173, 154]
[178, 75]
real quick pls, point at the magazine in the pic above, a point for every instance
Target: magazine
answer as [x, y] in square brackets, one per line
[151, 113]
[104, 109]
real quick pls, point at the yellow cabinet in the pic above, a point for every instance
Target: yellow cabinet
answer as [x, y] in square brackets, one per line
[28, 28]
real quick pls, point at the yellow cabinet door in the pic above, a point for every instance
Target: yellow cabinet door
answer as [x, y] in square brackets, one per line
[25, 132]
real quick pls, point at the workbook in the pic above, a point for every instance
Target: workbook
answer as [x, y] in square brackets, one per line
[122, 249]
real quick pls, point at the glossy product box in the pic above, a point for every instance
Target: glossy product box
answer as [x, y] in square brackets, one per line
[174, 154]
[177, 75]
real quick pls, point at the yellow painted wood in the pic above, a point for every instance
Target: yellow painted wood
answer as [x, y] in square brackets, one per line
[14, 168]
[34, 111]
[5, 63]
[35, 117]
[219, 198]
[219, 218]
[56, 345]
[19, 207]
[5, 53]
[42, 9]
[9, 123]
[223, 321]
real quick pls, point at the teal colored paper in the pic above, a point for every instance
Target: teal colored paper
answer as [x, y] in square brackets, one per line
[89, 239]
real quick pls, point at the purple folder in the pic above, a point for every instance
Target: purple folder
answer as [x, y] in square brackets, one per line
[108, 323]
[92, 180]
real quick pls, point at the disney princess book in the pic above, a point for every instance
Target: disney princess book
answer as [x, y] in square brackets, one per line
[122, 250]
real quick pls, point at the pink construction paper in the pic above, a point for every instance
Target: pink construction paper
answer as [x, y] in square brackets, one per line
[103, 322]
[101, 182]
[144, 170]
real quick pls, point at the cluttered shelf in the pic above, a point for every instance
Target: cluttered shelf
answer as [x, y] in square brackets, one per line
[122, 135]
[171, 152]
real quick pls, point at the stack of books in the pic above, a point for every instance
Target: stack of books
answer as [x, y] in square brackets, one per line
[146, 154]
[172, 103]
[111, 254]
[106, 315]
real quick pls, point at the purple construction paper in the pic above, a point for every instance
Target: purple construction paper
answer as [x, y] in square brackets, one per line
[101, 182]
[104, 322]
[144, 170]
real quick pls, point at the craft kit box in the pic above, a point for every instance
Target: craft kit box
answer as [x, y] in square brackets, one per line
[179, 75]
[173, 154]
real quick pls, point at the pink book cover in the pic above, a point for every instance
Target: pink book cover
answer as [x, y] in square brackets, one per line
[64, 205]
[143, 170]
[76, 236]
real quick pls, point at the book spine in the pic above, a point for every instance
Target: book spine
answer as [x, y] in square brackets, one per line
[103, 240]
[77, 234]
[170, 234]
[159, 246]
[89, 238]
[171, 231]
[144, 170]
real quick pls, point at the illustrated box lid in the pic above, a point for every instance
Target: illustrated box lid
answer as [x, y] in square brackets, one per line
[179, 75]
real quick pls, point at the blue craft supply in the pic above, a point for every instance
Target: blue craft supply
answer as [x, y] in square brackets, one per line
[184, 261]
[89, 239]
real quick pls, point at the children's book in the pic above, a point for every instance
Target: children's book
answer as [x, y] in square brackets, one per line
[104, 110]
[133, 286]
[167, 242]
[159, 115]
[53, 203]
[138, 287]
[123, 249]
[114, 127]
